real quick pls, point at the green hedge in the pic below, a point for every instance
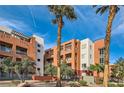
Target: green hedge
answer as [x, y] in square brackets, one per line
[116, 85]
[83, 83]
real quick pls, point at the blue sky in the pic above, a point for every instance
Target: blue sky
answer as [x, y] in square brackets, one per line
[37, 20]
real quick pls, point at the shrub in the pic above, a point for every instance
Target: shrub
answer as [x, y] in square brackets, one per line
[83, 83]
[100, 81]
[116, 85]
[16, 82]
[120, 85]
[74, 84]
[112, 85]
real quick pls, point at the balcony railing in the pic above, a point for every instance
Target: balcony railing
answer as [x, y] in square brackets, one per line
[10, 38]
[20, 52]
[68, 60]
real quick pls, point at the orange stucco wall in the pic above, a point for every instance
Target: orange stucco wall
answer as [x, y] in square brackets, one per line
[97, 45]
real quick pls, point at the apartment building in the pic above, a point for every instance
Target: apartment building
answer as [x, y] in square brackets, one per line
[91, 53]
[78, 54]
[18, 46]
[70, 53]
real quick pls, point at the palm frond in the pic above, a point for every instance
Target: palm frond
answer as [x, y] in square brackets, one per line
[117, 9]
[94, 6]
[62, 10]
[102, 9]
[54, 21]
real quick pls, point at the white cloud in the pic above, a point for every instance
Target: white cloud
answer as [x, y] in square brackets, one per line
[119, 30]
[80, 14]
[18, 25]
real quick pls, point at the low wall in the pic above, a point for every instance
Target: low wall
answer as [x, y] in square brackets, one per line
[44, 78]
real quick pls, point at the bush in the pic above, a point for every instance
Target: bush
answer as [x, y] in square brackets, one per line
[120, 85]
[100, 81]
[112, 85]
[16, 82]
[83, 83]
[116, 85]
[74, 84]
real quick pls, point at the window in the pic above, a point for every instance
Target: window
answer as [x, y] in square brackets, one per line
[51, 52]
[102, 52]
[5, 47]
[68, 58]
[83, 55]
[61, 47]
[101, 60]
[38, 50]
[38, 59]
[18, 59]
[38, 45]
[68, 47]
[90, 47]
[38, 69]
[90, 56]
[21, 50]
[83, 46]
[83, 65]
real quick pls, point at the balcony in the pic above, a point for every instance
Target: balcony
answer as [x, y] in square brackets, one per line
[68, 60]
[21, 51]
[4, 53]
[5, 49]
[68, 47]
[49, 54]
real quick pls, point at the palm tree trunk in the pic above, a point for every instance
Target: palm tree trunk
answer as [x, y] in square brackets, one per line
[112, 12]
[58, 84]
[97, 78]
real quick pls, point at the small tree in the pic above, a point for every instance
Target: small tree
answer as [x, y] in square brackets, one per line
[50, 70]
[66, 71]
[98, 68]
[22, 69]
[7, 66]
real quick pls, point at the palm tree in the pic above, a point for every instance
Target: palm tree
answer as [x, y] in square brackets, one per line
[98, 68]
[113, 9]
[60, 11]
